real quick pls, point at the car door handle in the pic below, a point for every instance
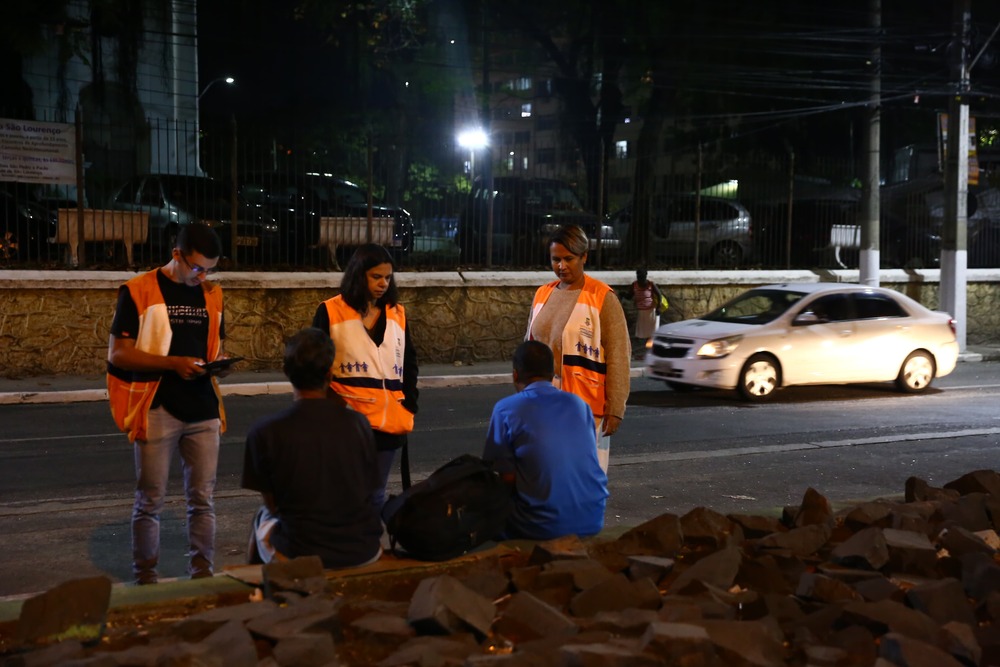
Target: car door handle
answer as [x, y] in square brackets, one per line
[846, 332]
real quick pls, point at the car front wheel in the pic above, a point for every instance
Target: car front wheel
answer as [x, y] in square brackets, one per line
[759, 378]
[916, 374]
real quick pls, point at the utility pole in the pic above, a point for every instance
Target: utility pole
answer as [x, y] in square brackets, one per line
[954, 235]
[868, 270]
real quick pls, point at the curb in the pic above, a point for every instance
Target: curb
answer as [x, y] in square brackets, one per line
[253, 388]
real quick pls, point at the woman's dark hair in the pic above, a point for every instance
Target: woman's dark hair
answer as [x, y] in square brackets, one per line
[572, 238]
[308, 357]
[354, 285]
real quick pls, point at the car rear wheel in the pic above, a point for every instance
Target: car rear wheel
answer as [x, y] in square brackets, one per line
[727, 255]
[759, 378]
[917, 373]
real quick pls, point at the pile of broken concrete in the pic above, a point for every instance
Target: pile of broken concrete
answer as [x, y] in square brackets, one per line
[911, 584]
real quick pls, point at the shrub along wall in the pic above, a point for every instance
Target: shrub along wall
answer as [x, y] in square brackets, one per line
[58, 322]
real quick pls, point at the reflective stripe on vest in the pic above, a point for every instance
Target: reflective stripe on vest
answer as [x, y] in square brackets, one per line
[369, 376]
[131, 393]
[584, 364]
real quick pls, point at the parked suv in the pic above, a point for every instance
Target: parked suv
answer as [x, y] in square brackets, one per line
[525, 212]
[724, 233]
[300, 201]
[173, 200]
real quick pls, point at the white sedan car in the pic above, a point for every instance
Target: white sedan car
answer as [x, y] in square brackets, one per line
[795, 334]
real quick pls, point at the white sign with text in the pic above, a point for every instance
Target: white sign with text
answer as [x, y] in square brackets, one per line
[37, 152]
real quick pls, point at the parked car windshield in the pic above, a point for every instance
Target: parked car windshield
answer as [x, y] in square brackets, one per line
[758, 306]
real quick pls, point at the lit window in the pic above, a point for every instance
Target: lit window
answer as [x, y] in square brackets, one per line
[526, 110]
[621, 149]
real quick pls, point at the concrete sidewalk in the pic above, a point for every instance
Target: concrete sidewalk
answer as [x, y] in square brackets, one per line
[81, 388]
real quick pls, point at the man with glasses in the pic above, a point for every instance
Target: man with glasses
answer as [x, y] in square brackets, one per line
[167, 324]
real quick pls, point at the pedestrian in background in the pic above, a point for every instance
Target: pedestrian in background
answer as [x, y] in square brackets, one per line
[167, 323]
[375, 369]
[316, 468]
[649, 303]
[581, 320]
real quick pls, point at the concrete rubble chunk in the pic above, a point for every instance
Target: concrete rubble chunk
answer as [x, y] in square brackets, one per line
[755, 525]
[990, 537]
[605, 655]
[874, 513]
[705, 526]
[561, 548]
[800, 542]
[918, 489]
[820, 588]
[444, 604]
[943, 600]
[888, 616]
[859, 643]
[615, 594]
[231, 645]
[197, 627]
[865, 549]
[433, 651]
[626, 623]
[527, 617]
[977, 481]
[765, 573]
[969, 512]
[74, 609]
[306, 650]
[814, 509]
[825, 656]
[879, 588]
[652, 567]
[680, 643]
[313, 614]
[980, 575]
[660, 536]
[958, 541]
[487, 579]
[747, 643]
[963, 644]
[906, 651]
[718, 569]
[298, 575]
[378, 624]
[910, 552]
[585, 572]
[54, 654]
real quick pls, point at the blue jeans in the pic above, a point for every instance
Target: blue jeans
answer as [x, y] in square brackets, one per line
[385, 461]
[198, 443]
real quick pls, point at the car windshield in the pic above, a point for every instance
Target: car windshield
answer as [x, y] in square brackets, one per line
[758, 306]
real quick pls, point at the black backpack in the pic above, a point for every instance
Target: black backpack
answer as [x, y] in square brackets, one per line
[463, 504]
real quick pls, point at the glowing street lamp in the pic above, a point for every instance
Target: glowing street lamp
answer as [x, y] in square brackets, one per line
[473, 140]
[228, 79]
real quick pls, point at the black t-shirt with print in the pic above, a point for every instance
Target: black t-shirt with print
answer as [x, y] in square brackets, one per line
[188, 400]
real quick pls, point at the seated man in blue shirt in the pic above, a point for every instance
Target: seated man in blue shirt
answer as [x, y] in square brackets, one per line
[316, 467]
[544, 440]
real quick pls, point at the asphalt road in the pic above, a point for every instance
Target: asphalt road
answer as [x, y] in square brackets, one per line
[66, 475]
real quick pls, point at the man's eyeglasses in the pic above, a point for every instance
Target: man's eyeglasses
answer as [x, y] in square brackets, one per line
[196, 269]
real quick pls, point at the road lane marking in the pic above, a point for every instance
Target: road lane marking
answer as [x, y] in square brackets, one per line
[663, 457]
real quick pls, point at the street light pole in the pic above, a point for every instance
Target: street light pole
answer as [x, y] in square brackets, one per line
[228, 79]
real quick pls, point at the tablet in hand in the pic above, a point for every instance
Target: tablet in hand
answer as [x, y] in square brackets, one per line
[220, 364]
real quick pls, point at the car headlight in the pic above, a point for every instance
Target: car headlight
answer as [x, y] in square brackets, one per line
[719, 347]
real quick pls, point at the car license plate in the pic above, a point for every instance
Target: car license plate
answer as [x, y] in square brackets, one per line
[664, 366]
[248, 241]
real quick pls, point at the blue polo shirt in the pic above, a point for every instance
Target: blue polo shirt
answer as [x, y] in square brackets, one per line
[547, 437]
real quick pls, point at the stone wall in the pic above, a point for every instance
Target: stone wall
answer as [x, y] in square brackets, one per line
[58, 322]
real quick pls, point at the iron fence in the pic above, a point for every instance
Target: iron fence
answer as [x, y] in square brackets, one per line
[306, 210]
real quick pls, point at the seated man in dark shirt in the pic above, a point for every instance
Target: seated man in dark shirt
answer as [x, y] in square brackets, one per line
[316, 466]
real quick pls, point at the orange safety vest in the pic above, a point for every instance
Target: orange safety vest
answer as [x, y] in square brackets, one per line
[369, 376]
[131, 393]
[584, 364]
